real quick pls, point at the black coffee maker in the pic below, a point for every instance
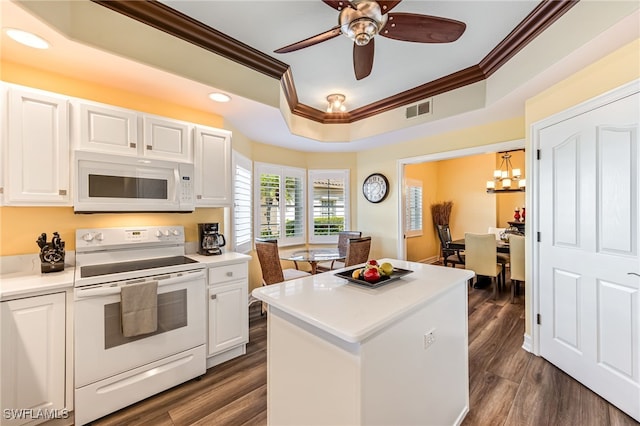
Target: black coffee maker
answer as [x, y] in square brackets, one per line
[210, 239]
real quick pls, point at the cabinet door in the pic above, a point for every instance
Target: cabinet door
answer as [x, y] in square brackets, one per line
[33, 353]
[37, 149]
[104, 128]
[213, 167]
[166, 139]
[228, 316]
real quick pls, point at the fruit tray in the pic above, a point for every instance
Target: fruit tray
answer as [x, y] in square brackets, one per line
[395, 275]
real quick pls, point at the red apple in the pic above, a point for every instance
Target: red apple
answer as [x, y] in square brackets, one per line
[373, 262]
[372, 275]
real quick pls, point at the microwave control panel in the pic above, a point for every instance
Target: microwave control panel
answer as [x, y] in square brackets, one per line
[186, 190]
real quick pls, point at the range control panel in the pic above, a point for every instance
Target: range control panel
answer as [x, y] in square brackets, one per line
[106, 238]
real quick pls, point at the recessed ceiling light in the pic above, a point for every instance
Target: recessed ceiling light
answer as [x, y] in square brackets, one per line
[219, 97]
[28, 39]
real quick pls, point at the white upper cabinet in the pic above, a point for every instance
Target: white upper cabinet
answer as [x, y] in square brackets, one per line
[105, 128]
[213, 167]
[110, 129]
[166, 139]
[37, 149]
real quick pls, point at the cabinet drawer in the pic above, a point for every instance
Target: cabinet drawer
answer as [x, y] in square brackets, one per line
[222, 274]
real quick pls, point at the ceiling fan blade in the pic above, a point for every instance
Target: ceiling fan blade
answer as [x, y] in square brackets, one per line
[327, 35]
[387, 5]
[422, 28]
[338, 4]
[363, 59]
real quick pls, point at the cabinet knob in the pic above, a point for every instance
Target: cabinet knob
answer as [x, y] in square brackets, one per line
[132, 145]
[229, 274]
[214, 296]
[62, 192]
[149, 147]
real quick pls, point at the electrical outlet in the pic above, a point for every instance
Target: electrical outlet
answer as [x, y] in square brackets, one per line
[429, 338]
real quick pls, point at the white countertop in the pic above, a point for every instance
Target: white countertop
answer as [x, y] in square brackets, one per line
[352, 312]
[220, 259]
[23, 284]
[30, 282]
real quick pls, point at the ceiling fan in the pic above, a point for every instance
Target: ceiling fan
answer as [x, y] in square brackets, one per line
[362, 20]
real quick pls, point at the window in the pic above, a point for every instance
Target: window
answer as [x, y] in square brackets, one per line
[328, 205]
[242, 232]
[280, 206]
[413, 208]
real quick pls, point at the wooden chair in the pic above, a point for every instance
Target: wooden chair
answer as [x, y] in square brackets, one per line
[357, 251]
[343, 240]
[449, 255]
[480, 257]
[516, 249]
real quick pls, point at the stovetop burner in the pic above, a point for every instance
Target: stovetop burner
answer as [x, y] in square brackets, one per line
[115, 268]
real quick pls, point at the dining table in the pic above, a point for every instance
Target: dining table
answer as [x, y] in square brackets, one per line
[501, 246]
[312, 256]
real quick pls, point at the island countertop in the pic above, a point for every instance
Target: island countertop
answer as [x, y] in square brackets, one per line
[353, 312]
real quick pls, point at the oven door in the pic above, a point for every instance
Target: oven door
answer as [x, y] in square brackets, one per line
[102, 351]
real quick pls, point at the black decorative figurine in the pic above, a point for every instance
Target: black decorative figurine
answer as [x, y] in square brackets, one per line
[51, 254]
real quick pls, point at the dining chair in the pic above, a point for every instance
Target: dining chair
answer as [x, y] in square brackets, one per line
[481, 252]
[449, 255]
[516, 249]
[357, 251]
[343, 240]
[272, 272]
[503, 258]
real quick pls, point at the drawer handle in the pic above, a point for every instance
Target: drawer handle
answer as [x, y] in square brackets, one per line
[229, 274]
[214, 296]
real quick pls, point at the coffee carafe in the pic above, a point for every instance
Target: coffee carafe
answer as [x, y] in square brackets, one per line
[210, 240]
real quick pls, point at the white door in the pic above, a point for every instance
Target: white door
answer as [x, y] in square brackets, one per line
[588, 222]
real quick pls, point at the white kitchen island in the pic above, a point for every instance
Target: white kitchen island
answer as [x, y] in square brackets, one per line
[342, 354]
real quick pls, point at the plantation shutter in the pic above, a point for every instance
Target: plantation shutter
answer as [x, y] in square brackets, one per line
[242, 227]
[328, 205]
[413, 208]
[280, 203]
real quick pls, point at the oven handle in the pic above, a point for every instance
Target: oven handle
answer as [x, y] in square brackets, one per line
[108, 291]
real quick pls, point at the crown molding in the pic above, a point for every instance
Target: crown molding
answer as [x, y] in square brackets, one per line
[166, 19]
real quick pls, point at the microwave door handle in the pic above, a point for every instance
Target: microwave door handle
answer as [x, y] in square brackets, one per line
[108, 291]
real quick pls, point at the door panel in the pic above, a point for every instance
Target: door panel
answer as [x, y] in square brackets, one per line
[588, 217]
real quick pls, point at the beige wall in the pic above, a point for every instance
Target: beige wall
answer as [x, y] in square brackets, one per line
[378, 220]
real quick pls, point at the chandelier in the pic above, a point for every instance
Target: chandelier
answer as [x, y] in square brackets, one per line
[506, 177]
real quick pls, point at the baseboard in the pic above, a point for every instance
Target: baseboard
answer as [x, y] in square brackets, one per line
[527, 345]
[430, 260]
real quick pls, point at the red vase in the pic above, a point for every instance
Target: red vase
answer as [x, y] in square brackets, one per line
[516, 215]
[523, 214]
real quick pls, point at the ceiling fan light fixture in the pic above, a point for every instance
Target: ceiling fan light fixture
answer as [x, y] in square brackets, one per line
[336, 103]
[363, 23]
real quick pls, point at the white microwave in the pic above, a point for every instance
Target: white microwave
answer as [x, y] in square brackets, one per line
[114, 183]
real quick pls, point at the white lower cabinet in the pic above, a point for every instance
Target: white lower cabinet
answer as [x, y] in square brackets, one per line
[33, 359]
[228, 312]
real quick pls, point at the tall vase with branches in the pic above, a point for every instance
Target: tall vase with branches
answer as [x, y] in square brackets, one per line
[440, 213]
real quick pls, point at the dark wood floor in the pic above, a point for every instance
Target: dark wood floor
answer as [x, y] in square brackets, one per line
[508, 386]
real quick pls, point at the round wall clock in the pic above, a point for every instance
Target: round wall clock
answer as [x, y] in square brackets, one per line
[375, 188]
